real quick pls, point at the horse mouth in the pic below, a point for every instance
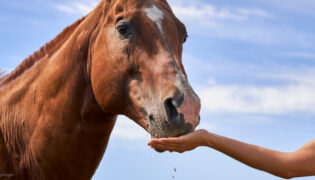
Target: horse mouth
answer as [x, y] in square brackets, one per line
[161, 125]
[159, 130]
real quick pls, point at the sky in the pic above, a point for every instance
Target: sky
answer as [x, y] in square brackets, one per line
[252, 63]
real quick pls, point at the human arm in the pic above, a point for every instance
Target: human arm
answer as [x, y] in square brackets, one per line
[285, 165]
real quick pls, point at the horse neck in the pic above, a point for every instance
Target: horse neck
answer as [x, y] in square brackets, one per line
[53, 100]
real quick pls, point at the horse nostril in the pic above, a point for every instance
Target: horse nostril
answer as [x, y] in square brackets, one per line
[151, 118]
[171, 111]
[178, 101]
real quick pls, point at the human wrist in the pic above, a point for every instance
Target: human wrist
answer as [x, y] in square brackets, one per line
[209, 139]
[204, 138]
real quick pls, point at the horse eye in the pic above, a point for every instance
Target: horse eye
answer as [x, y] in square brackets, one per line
[123, 30]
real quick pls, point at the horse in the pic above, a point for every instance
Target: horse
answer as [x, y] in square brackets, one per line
[59, 106]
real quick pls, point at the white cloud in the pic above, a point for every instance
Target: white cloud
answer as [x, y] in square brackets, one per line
[127, 129]
[247, 24]
[211, 126]
[262, 34]
[304, 76]
[246, 87]
[209, 12]
[79, 8]
[271, 100]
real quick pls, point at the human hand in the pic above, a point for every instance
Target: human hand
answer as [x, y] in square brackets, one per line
[181, 144]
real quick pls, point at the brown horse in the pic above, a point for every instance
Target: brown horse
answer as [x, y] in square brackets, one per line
[58, 108]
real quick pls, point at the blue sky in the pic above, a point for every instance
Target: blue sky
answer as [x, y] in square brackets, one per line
[252, 62]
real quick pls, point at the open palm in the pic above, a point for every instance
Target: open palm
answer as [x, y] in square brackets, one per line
[181, 144]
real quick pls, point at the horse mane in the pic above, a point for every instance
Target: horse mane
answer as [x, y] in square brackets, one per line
[1, 75]
[17, 134]
[38, 55]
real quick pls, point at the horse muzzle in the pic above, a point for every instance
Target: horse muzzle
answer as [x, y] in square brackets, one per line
[180, 115]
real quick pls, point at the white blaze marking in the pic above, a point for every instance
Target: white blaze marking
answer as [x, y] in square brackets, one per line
[156, 15]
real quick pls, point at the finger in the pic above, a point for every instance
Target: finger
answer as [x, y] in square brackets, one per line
[161, 147]
[173, 141]
[173, 149]
[174, 144]
[177, 139]
[154, 141]
[167, 147]
[163, 141]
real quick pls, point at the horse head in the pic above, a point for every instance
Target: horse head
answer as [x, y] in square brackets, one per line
[137, 70]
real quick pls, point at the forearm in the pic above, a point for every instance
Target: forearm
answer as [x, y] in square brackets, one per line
[274, 162]
[285, 165]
